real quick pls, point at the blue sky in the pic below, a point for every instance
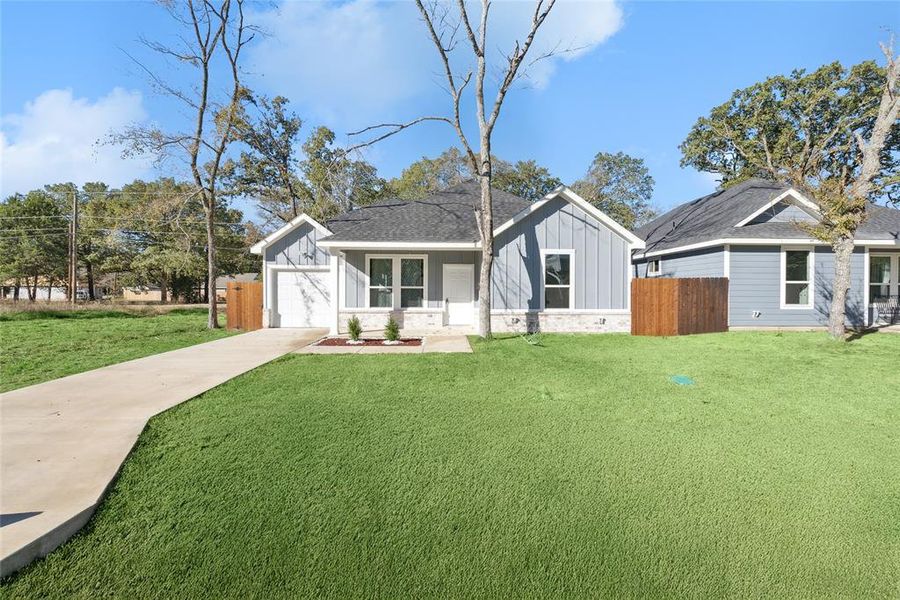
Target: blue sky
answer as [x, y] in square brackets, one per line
[644, 72]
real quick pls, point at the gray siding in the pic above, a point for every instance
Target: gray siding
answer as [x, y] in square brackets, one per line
[755, 285]
[298, 248]
[783, 212]
[355, 274]
[602, 259]
[708, 262]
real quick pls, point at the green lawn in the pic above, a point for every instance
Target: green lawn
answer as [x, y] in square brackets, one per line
[40, 346]
[576, 469]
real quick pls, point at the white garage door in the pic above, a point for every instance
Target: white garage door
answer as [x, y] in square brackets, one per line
[302, 299]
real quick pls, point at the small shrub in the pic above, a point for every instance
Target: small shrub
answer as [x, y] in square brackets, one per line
[354, 328]
[392, 330]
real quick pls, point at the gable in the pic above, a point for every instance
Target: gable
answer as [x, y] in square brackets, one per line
[783, 212]
[298, 247]
[601, 256]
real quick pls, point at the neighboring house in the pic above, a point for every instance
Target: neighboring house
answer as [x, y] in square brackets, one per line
[560, 265]
[223, 280]
[44, 291]
[779, 276]
[142, 293]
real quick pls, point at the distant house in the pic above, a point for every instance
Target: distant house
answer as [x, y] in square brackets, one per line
[223, 280]
[779, 276]
[45, 291]
[560, 264]
[142, 293]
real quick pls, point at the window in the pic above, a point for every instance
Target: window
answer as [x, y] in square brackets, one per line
[879, 278]
[397, 281]
[654, 267]
[557, 279]
[797, 275]
[381, 282]
[412, 282]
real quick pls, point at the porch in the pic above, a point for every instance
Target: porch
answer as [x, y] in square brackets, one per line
[883, 287]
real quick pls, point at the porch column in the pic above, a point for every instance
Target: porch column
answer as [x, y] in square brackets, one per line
[334, 266]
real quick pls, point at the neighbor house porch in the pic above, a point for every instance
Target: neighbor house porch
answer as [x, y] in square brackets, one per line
[883, 286]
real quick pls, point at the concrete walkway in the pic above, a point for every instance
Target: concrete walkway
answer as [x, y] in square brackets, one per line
[63, 441]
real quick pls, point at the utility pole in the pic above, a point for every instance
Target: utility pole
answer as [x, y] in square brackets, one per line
[73, 251]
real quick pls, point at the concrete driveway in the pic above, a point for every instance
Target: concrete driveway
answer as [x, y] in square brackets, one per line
[63, 441]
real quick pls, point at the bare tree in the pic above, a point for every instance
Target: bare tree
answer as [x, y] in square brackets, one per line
[214, 33]
[443, 33]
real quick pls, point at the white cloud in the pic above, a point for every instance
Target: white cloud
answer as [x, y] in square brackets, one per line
[54, 139]
[359, 59]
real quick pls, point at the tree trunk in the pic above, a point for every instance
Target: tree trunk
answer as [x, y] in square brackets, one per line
[486, 223]
[213, 317]
[90, 280]
[16, 290]
[164, 290]
[843, 252]
[32, 290]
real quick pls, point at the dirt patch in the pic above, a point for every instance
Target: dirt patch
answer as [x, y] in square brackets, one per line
[333, 341]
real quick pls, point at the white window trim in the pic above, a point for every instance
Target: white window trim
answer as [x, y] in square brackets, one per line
[894, 286]
[658, 270]
[395, 283]
[571, 253]
[811, 277]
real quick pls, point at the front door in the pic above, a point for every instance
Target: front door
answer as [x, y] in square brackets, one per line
[459, 294]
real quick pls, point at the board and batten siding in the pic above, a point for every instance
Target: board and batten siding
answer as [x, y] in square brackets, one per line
[298, 248]
[354, 266]
[708, 262]
[602, 259]
[755, 285]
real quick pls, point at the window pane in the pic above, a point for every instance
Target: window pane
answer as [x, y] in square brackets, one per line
[556, 297]
[411, 297]
[879, 292]
[880, 269]
[557, 269]
[380, 272]
[797, 293]
[797, 263]
[412, 271]
[380, 297]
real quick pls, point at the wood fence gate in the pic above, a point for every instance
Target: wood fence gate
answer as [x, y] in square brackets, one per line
[665, 306]
[244, 301]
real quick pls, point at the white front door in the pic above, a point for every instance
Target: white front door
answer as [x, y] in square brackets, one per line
[459, 294]
[303, 299]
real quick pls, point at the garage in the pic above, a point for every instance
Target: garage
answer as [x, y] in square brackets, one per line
[302, 298]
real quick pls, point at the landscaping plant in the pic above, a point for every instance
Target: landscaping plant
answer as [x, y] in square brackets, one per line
[354, 328]
[392, 330]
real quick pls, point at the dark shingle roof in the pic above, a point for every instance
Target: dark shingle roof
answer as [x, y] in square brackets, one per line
[446, 216]
[714, 217]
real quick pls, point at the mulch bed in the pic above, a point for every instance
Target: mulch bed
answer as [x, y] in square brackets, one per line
[339, 341]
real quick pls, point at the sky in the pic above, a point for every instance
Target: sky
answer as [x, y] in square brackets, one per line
[635, 79]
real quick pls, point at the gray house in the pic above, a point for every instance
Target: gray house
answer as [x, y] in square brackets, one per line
[560, 265]
[778, 275]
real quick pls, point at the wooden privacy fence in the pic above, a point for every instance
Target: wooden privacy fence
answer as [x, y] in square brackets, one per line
[662, 306]
[244, 304]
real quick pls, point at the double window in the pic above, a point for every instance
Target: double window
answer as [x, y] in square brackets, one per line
[396, 281]
[797, 278]
[558, 267]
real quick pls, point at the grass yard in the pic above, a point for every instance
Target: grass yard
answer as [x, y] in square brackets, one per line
[40, 346]
[576, 469]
